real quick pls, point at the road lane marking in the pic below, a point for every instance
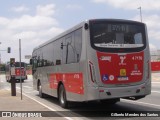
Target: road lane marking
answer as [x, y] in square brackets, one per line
[27, 87]
[156, 82]
[39, 102]
[156, 91]
[134, 102]
[68, 118]
[155, 85]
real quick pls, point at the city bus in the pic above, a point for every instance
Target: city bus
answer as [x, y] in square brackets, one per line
[97, 60]
[17, 72]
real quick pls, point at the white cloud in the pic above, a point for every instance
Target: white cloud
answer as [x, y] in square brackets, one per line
[152, 25]
[152, 47]
[46, 10]
[152, 21]
[32, 22]
[151, 7]
[132, 4]
[4, 21]
[20, 9]
[31, 29]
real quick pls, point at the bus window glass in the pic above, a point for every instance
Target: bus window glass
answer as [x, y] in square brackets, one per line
[138, 38]
[70, 49]
[57, 52]
[47, 59]
[78, 44]
[34, 63]
[17, 64]
[117, 35]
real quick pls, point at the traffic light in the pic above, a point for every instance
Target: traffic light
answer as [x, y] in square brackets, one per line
[62, 45]
[12, 61]
[9, 50]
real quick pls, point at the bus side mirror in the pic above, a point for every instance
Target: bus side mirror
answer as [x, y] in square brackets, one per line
[31, 61]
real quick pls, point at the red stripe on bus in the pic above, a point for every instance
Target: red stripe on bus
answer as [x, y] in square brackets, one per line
[73, 82]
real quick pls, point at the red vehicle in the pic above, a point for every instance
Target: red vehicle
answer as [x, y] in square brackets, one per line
[17, 72]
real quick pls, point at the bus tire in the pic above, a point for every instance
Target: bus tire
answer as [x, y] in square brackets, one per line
[62, 97]
[41, 94]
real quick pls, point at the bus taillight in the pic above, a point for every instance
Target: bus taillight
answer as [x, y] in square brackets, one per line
[17, 72]
[92, 72]
[148, 67]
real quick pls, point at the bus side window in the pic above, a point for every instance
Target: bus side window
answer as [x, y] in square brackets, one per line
[45, 62]
[78, 44]
[34, 63]
[58, 62]
[38, 63]
[42, 62]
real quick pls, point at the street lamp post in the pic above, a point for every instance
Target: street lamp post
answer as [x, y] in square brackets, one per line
[140, 13]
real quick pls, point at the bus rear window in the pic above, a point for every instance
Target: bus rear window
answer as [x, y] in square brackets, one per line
[17, 64]
[106, 36]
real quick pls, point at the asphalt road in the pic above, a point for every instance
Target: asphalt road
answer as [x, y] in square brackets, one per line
[82, 110]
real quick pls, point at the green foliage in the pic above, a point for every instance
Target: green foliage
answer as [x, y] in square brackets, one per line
[2, 67]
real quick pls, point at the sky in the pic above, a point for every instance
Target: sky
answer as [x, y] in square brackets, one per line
[36, 21]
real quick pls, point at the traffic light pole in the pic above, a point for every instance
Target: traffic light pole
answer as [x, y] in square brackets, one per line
[13, 86]
[13, 80]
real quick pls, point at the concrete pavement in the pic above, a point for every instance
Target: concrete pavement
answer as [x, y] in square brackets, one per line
[14, 103]
[23, 109]
[27, 106]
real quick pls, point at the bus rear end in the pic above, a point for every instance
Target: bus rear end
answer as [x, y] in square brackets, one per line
[118, 60]
[23, 71]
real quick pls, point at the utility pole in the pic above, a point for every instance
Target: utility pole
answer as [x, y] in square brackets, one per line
[20, 66]
[140, 10]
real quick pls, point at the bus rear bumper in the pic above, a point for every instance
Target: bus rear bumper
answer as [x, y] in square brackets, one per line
[135, 92]
[132, 92]
[22, 77]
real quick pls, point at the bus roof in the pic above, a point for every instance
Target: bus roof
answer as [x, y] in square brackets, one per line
[62, 34]
[81, 25]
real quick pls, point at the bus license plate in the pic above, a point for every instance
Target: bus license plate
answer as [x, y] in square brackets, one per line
[122, 78]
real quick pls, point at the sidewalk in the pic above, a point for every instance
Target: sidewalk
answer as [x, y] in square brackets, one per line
[19, 109]
[14, 103]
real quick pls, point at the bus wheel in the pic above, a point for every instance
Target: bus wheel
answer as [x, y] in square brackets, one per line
[62, 97]
[41, 94]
